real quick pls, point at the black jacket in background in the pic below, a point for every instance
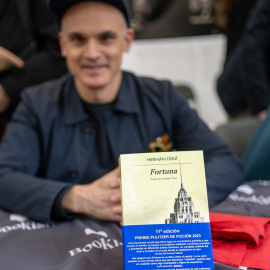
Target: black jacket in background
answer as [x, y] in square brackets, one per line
[245, 81]
[236, 22]
[42, 63]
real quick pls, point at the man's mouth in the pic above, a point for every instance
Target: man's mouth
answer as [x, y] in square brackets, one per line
[94, 68]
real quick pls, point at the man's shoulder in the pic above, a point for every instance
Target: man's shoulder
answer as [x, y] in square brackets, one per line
[159, 92]
[146, 80]
[49, 90]
[148, 85]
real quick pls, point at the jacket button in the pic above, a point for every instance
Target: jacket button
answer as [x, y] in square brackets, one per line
[73, 174]
[86, 129]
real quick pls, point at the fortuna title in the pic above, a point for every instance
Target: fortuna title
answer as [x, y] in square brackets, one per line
[164, 171]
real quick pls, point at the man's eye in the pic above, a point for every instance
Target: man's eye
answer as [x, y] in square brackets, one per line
[107, 38]
[77, 39]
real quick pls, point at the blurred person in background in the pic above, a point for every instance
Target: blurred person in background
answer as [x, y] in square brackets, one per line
[244, 85]
[231, 17]
[29, 50]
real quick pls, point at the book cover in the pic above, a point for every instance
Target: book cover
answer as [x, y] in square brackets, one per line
[165, 211]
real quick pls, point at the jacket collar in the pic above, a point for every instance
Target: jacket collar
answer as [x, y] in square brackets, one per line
[72, 105]
[126, 102]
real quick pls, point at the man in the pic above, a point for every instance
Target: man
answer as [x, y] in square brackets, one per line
[59, 156]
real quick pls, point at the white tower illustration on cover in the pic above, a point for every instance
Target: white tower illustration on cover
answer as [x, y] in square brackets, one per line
[184, 208]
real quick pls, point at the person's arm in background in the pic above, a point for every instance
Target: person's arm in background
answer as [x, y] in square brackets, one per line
[7, 61]
[255, 56]
[244, 85]
[45, 63]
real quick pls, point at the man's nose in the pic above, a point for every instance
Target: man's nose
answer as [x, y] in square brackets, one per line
[92, 49]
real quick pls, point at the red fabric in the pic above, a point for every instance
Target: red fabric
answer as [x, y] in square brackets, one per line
[256, 259]
[241, 240]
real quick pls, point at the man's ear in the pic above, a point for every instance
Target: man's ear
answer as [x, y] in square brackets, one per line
[129, 37]
[62, 43]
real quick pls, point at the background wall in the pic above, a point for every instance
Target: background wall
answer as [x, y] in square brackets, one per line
[172, 18]
[194, 61]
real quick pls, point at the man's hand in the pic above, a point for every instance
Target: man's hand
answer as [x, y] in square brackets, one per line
[100, 199]
[8, 59]
[4, 99]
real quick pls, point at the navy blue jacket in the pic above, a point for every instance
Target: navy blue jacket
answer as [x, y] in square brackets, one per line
[49, 142]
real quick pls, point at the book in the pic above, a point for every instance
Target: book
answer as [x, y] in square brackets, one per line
[165, 211]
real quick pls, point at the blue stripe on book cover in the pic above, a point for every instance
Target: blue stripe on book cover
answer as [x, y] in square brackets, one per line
[167, 246]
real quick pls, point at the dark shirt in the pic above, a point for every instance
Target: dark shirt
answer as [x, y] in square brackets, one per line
[102, 155]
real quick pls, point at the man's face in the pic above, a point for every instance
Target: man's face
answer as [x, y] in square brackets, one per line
[93, 38]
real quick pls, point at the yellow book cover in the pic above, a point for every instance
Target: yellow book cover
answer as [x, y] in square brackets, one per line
[165, 211]
[153, 183]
